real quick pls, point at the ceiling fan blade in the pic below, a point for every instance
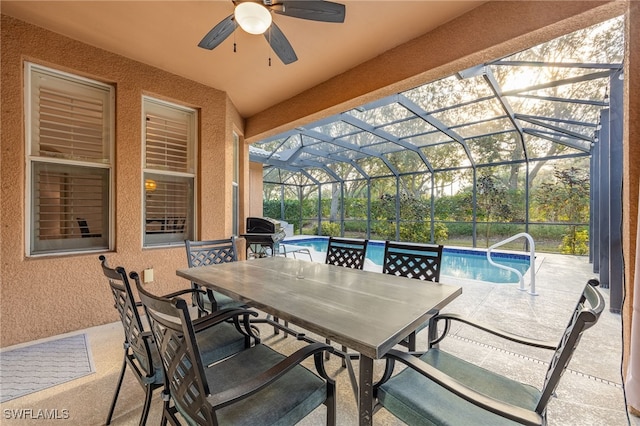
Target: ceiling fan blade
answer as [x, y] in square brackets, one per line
[280, 44]
[325, 11]
[219, 33]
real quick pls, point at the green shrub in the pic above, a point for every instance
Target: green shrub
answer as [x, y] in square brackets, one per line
[383, 230]
[441, 232]
[575, 242]
[547, 232]
[357, 226]
[330, 229]
[458, 228]
[416, 232]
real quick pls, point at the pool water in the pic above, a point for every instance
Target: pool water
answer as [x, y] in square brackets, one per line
[461, 263]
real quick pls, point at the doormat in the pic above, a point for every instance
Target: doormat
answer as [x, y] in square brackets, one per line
[42, 365]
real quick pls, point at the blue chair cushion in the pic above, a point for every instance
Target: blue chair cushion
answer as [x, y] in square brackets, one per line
[417, 400]
[218, 342]
[157, 377]
[285, 402]
[222, 301]
[215, 343]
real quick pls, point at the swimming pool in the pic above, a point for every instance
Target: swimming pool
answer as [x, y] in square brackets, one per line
[456, 262]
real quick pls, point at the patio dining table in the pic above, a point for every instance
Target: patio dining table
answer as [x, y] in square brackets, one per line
[368, 312]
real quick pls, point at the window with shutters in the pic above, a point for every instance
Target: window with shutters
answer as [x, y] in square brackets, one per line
[169, 172]
[235, 185]
[69, 161]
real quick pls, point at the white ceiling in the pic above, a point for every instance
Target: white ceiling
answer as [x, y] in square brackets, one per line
[165, 34]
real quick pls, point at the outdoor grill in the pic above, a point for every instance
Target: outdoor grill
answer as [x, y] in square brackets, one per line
[263, 235]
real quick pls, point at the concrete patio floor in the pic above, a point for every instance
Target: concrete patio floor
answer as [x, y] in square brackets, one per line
[590, 392]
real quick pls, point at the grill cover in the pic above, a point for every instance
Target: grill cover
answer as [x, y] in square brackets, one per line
[263, 225]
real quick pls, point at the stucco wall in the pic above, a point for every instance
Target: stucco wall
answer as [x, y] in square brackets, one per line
[255, 190]
[41, 297]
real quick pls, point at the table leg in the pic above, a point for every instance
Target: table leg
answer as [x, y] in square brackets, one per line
[352, 376]
[411, 346]
[365, 397]
[433, 330]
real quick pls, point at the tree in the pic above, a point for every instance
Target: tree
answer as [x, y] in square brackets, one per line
[492, 201]
[601, 43]
[567, 200]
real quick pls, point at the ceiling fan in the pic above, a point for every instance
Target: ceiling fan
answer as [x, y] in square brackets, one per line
[254, 16]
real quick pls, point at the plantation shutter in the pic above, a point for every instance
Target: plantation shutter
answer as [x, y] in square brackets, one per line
[168, 178]
[70, 139]
[167, 142]
[70, 125]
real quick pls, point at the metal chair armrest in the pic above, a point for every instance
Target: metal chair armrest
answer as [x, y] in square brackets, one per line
[252, 386]
[220, 316]
[184, 291]
[492, 330]
[146, 335]
[198, 300]
[501, 408]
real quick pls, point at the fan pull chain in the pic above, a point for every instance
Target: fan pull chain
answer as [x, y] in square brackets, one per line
[269, 29]
[234, 39]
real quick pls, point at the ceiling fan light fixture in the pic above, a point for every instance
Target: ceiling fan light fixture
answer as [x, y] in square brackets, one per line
[252, 17]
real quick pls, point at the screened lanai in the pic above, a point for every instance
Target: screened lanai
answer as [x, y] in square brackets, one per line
[523, 143]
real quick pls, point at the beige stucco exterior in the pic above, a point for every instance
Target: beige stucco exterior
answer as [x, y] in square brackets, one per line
[47, 296]
[51, 295]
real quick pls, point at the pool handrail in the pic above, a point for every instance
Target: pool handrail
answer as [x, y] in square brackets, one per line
[532, 261]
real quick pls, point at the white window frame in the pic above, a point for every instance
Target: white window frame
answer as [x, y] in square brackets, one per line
[31, 159]
[191, 173]
[235, 184]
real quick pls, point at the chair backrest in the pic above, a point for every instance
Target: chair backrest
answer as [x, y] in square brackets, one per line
[419, 261]
[201, 253]
[84, 228]
[585, 315]
[174, 225]
[176, 341]
[141, 348]
[209, 252]
[345, 252]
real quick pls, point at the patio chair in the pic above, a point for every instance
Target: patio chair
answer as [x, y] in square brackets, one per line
[84, 229]
[140, 352]
[417, 261]
[438, 388]
[257, 386]
[211, 252]
[349, 253]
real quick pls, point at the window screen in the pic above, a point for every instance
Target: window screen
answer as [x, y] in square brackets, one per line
[236, 186]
